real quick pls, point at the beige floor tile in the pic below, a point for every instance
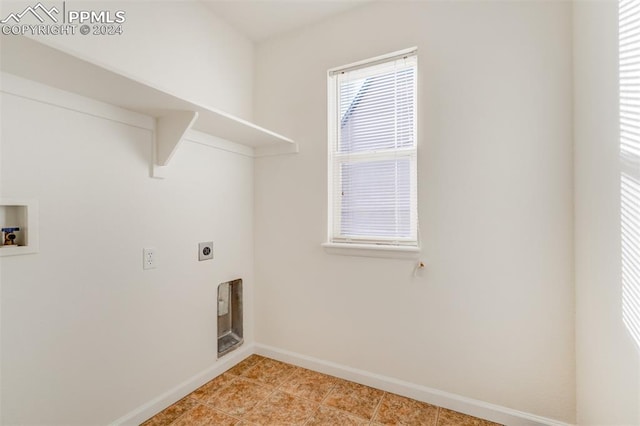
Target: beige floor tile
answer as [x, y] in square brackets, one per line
[282, 409]
[453, 418]
[240, 397]
[326, 416]
[170, 414]
[269, 372]
[208, 390]
[308, 384]
[245, 364]
[202, 415]
[262, 391]
[357, 399]
[398, 410]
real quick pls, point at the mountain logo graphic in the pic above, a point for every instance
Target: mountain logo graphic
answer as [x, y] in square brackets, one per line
[39, 10]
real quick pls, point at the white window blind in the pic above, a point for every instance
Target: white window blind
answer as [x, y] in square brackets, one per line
[372, 152]
[629, 56]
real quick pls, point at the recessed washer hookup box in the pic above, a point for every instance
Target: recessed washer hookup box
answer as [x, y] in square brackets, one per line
[229, 316]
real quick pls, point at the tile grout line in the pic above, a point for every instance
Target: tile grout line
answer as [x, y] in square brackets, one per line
[324, 398]
[273, 391]
[239, 377]
[279, 387]
[236, 377]
[255, 382]
[216, 409]
[179, 417]
[345, 412]
[375, 411]
[289, 376]
[209, 402]
[183, 414]
[306, 422]
[275, 388]
[284, 381]
[335, 385]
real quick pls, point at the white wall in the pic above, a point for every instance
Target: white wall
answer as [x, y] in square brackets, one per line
[87, 336]
[180, 46]
[492, 315]
[608, 361]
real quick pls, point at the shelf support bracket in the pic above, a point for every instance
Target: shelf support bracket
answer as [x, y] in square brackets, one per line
[170, 129]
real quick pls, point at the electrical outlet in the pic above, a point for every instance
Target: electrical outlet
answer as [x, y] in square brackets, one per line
[205, 251]
[149, 258]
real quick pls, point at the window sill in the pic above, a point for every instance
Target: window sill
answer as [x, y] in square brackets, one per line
[371, 250]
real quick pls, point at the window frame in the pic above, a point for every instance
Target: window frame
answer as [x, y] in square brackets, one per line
[378, 246]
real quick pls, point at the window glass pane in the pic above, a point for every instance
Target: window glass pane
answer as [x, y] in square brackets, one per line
[376, 198]
[377, 112]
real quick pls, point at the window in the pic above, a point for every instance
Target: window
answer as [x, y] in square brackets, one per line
[373, 152]
[629, 67]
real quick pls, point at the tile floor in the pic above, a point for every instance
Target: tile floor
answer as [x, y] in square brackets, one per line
[262, 391]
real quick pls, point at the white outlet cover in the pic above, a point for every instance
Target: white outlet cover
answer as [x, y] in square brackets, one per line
[149, 260]
[205, 251]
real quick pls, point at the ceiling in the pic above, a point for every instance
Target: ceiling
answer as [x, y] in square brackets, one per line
[261, 19]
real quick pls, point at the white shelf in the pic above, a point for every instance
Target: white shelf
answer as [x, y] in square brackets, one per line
[48, 65]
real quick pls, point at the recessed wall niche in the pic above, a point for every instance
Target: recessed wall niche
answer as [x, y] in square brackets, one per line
[23, 216]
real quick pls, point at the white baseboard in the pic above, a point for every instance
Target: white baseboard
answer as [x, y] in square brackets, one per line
[161, 402]
[473, 407]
